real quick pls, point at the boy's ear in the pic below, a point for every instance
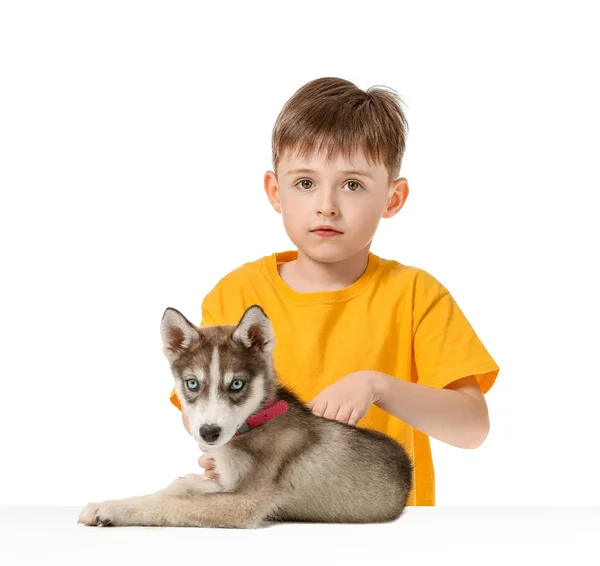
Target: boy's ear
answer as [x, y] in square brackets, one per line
[272, 190]
[397, 198]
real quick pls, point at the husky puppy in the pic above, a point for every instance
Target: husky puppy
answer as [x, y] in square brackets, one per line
[277, 460]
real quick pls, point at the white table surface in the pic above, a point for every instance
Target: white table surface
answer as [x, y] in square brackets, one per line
[441, 535]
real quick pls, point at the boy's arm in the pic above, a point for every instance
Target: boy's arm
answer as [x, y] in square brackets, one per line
[456, 415]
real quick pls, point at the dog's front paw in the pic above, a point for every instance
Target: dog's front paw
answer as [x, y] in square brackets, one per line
[103, 514]
[198, 477]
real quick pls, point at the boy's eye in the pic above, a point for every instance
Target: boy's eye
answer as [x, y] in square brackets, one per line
[347, 182]
[303, 181]
[356, 183]
[236, 384]
[192, 384]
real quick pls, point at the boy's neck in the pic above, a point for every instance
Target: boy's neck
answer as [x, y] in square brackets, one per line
[306, 275]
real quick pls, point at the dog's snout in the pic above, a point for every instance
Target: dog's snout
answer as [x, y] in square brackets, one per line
[210, 433]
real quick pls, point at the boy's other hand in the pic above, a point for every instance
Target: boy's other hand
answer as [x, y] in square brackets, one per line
[347, 400]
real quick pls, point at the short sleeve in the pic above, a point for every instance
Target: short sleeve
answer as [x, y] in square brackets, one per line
[207, 320]
[445, 345]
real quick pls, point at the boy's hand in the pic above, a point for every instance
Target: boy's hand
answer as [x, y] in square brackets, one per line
[209, 466]
[347, 400]
[186, 423]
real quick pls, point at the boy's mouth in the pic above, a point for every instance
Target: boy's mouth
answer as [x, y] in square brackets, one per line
[326, 231]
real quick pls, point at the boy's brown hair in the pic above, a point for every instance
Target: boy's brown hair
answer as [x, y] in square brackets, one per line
[334, 114]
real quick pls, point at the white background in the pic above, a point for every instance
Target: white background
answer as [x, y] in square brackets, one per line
[134, 137]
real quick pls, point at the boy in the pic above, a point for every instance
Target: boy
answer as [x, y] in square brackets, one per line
[362, 339]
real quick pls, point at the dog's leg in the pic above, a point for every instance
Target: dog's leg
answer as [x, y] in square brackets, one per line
[191, 508]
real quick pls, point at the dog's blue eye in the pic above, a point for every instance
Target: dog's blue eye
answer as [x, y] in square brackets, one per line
[192, 384]
[239, 385]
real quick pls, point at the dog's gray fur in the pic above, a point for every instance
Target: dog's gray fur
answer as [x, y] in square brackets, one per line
[295, 467]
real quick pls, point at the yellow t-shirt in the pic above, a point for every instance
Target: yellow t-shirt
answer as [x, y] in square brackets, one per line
[396, 319]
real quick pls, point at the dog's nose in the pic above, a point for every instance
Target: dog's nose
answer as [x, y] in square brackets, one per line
[210, 433]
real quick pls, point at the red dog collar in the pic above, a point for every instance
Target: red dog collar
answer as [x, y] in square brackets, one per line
[270, 411]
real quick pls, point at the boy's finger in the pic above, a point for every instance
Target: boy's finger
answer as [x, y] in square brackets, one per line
[207, 463]
[211, 474]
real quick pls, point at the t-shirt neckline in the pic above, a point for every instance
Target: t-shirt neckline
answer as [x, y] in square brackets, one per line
[284, 289]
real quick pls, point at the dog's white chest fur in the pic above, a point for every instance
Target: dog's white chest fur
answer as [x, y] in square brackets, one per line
[231, 465]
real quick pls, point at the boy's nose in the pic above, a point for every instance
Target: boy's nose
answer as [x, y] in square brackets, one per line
[328, 207]
[210, 433]
[328, 210]
[327, 203]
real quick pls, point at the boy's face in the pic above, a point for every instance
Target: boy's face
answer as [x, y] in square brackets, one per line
[352, 203]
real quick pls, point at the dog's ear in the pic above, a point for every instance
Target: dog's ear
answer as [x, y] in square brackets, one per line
[178, 334]
[255, 330]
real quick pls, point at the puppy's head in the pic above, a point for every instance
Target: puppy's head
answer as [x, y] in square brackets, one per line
[222, 374]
